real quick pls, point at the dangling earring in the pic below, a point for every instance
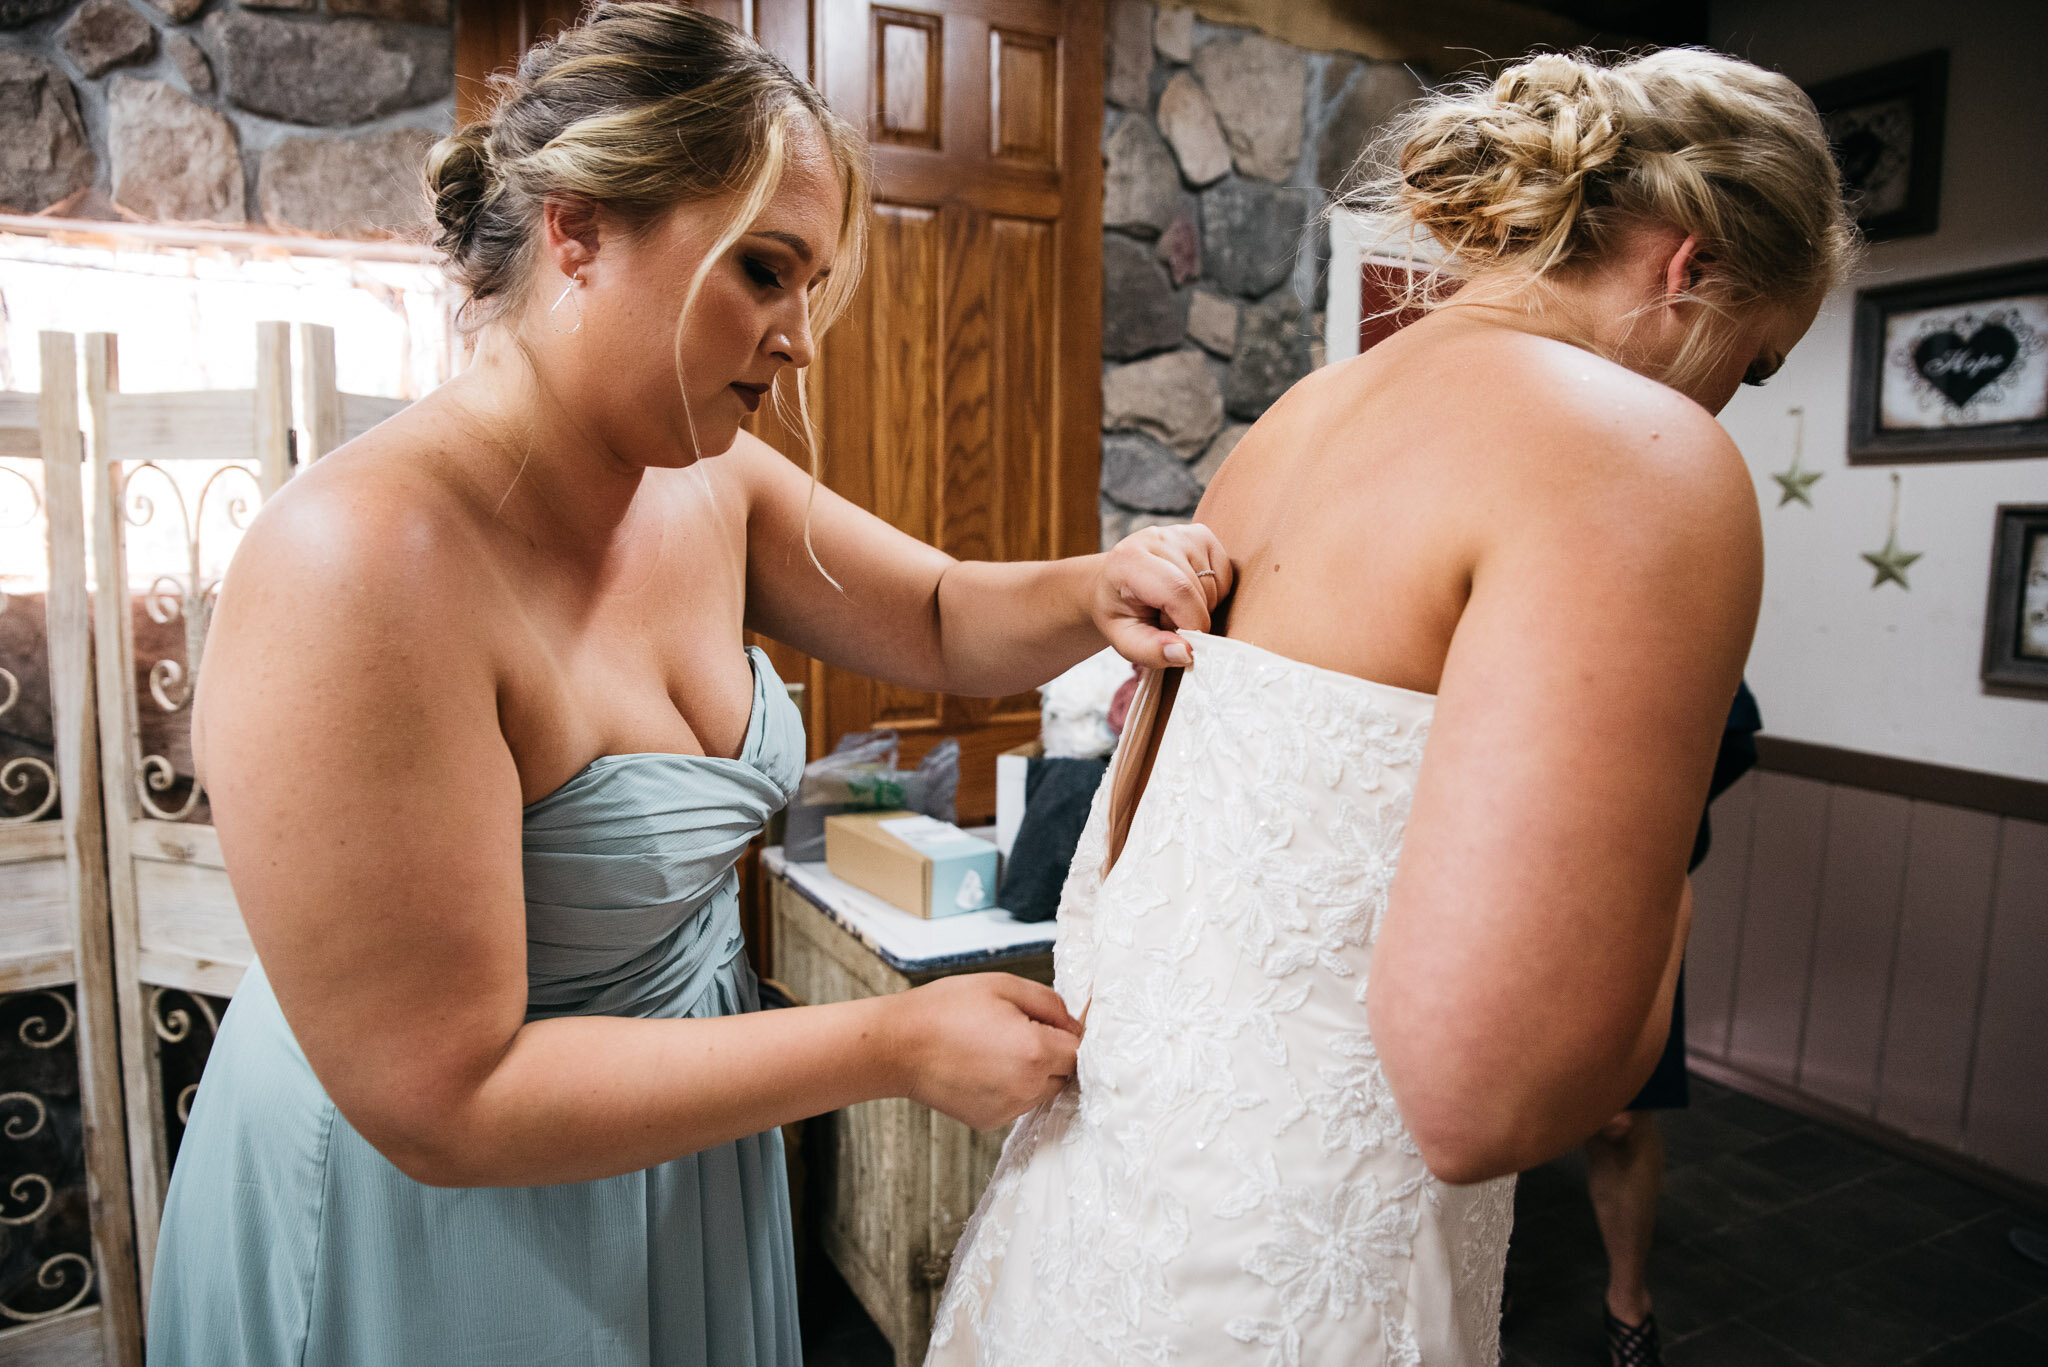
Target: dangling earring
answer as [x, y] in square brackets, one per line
[575, 281]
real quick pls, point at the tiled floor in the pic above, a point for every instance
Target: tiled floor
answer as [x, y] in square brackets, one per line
[1780, 1243]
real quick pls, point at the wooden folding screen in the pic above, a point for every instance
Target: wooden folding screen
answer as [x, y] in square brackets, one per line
[179, 942]
[56, 984]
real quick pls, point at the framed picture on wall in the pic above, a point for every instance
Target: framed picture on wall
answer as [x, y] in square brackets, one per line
[1885, 126]
[1954, 368]
[1374, 258]
[2016, 619]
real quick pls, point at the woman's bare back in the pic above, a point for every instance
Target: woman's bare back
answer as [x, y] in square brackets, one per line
[1359, 506]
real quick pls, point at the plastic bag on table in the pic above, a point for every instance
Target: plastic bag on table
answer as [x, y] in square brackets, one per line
[861, 776]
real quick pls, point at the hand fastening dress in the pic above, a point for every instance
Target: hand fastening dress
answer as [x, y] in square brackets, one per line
[287, 1239]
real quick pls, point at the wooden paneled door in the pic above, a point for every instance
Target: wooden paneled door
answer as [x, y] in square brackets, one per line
[962, 392]
[490, 35]
[961, 396]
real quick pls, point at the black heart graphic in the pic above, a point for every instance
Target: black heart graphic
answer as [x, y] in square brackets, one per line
[1960, 368]
[1859, 155]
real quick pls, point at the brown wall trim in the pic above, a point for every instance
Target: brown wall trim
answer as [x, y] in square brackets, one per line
[2006, 796]
[2015, 1189]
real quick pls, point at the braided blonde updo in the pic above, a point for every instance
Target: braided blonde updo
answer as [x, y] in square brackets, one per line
[1538, 169]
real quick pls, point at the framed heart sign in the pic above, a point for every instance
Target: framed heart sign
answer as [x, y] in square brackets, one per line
[1954, 368]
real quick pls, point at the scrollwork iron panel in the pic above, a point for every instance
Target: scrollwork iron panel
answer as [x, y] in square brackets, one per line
[46, 1265]
[185, 1024]
[171, 623]
[28, 774]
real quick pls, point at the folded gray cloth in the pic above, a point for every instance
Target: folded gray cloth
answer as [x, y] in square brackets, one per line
[1057, 795]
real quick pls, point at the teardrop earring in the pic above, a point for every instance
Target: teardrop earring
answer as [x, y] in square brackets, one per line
[575, 282]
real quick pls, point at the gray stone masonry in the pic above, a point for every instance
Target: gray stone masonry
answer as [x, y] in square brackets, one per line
[1140, 314]
[347, 187]
[174, 158]
[299, 116]
[1222, 149]
[1212, 322]
[16, 13]
[103, 34]
[1140, 474]
[1174, 397]
[1140, 187]
[190, 61]
[1258, 87]
[46, 157]
[344, 71]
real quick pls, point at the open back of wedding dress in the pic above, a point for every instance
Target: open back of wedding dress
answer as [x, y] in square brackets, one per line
[1228, 1179]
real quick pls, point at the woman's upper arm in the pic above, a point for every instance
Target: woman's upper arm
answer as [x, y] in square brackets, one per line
[368, 807]
[882, 620]
[1581, 701]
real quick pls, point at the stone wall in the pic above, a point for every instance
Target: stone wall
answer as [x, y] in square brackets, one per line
[1220, 149]
[296, 116]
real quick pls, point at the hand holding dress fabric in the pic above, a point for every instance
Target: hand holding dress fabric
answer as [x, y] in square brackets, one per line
[1155, 582]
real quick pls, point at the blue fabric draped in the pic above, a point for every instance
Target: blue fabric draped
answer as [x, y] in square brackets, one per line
[288, 1239]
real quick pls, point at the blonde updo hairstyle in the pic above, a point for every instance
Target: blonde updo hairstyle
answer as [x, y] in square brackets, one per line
[1543, 168]
[638, 109]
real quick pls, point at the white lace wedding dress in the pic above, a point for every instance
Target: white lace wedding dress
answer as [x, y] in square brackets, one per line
[1228, 1180]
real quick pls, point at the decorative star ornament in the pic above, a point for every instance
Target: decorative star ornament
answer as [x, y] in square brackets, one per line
[1795, 481]
[1891, 562]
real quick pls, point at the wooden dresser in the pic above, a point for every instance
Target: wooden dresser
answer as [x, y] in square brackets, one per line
[890, 1184]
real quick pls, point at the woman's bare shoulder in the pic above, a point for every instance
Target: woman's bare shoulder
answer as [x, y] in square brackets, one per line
[377, 542]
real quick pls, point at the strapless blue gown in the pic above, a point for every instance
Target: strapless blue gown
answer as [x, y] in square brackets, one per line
[287, 1239]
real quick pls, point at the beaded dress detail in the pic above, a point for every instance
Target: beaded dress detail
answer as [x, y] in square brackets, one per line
[1229, 1180]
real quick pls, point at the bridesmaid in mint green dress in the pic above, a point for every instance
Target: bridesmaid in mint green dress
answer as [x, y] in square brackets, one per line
[484, 744]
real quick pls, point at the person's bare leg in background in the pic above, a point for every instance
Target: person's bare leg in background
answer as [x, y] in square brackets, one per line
[1624, 1171]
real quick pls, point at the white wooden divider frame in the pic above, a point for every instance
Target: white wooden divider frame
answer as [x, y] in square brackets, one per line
[53, 884]
[175, 920]
[113, 897]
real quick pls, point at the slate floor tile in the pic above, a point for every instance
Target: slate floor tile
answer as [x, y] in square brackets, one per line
[1953, 1293]
[1814, 1159]
[1732, 1345]
[1838, 1329]
[2002, 1344]
[1986, 1242]
[1870, 1218]
[1936, 1191]
[1706, 1092]
[1782, 1251]
[1548, 1187]
[1694, 1290]
[1697, 1136]
[1754, 1188]
[1563, 1330]
[1752, 1114]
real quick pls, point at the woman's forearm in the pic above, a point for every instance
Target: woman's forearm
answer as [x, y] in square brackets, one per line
[586, 1097]
[1007, 627]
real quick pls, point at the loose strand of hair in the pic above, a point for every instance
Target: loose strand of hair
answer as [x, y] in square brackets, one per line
[767, 173]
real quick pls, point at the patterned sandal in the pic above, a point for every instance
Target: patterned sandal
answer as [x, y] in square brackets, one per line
[1633, 1345]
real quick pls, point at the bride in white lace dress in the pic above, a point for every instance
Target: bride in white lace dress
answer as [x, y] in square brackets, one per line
[1496, 582]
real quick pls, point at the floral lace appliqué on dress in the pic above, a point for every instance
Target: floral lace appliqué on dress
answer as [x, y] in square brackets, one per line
[1229, 1179]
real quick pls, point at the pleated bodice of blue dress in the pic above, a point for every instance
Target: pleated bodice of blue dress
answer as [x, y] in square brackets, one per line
[287, 1239]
